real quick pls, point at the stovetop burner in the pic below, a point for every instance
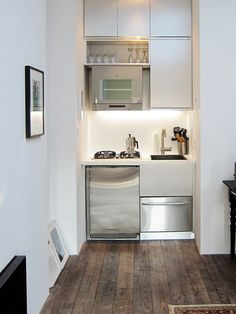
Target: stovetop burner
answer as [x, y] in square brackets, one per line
[124, 154]
[109, 154]
[105, 154]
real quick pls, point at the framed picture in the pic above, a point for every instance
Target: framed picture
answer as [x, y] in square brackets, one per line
[55, 240]
[34, 102]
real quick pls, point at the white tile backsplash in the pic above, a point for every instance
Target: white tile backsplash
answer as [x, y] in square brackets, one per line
[108, 130]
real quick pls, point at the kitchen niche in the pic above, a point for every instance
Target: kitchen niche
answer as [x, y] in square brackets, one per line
[117, 53]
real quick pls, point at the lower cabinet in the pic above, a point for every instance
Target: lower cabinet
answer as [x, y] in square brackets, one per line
[160, 214]
[166, 201]
[167, 179]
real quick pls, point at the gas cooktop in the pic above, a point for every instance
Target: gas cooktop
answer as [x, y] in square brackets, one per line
[109, 154]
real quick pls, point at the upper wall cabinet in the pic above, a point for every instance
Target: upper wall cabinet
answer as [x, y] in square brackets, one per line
[133, 18]
[171, 17]
[171, 73]
[100, 17]
[116, 18]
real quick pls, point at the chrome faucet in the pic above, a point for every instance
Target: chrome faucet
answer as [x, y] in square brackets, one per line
[163, 148]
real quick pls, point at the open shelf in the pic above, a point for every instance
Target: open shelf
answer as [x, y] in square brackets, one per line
[144, 65]
[119, 49]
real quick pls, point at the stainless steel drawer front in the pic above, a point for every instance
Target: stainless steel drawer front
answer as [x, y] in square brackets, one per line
[164, 214]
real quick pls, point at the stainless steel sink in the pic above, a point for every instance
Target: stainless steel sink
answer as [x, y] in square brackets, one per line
[168, 157]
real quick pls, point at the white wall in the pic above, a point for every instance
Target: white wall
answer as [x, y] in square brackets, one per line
[194, 121]
[64, 25]
[80, 53]
[217, 114]
[108, 130]
[23, 163]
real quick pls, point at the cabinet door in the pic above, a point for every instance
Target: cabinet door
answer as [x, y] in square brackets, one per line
[171, 73]
[133, 18]
[171, 17]
[167, 179]
[100, 18]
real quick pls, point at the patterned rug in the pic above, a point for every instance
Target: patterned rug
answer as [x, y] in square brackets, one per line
[203, 309]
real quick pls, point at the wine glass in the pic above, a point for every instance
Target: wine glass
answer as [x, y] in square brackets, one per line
[145, 56]
[131, 57]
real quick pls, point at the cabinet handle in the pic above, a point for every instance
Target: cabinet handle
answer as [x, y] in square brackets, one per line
[169, 203]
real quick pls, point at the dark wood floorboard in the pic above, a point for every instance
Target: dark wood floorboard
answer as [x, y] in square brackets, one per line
[159, 283]
[86, 295]
[123, 302]
[216, 278]
[175, 274]
[197, 291]
[140, 277]
[106, 289]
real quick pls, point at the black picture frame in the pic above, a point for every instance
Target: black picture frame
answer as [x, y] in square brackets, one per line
[34, 102]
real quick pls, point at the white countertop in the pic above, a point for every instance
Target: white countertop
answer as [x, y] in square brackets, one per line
[133, 161]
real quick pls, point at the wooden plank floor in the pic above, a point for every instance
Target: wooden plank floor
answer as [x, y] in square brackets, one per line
[141, 277]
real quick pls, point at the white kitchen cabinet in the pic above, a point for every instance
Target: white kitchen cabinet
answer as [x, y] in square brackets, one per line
[116, 18]
[133, 18]
[166, 179]
[100, 18]
[171, 17]
[171, 73]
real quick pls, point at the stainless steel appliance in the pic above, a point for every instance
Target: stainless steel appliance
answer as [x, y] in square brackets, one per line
[131, 143]
[118, 88]
[161, 217]
[112, 202]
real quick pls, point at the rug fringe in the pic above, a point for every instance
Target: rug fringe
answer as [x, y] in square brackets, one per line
[218, 306]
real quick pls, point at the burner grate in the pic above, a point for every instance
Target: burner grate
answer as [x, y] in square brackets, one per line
[105, 154]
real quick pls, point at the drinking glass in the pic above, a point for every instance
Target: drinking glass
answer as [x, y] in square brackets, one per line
[91, 59]
[114, 58]
[106, 58]
[138, 58]
[99, 58]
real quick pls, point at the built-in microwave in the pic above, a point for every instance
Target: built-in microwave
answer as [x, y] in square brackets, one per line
[117, 87]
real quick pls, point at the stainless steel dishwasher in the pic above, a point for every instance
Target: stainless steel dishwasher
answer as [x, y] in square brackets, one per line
[166, 218]
[112, 201]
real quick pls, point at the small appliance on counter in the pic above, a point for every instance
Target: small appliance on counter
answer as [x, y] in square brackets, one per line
[130, 152]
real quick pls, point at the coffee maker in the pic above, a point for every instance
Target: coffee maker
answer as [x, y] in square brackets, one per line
[130, 152]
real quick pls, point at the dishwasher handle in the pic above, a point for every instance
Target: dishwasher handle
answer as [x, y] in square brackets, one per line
[165, 203]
